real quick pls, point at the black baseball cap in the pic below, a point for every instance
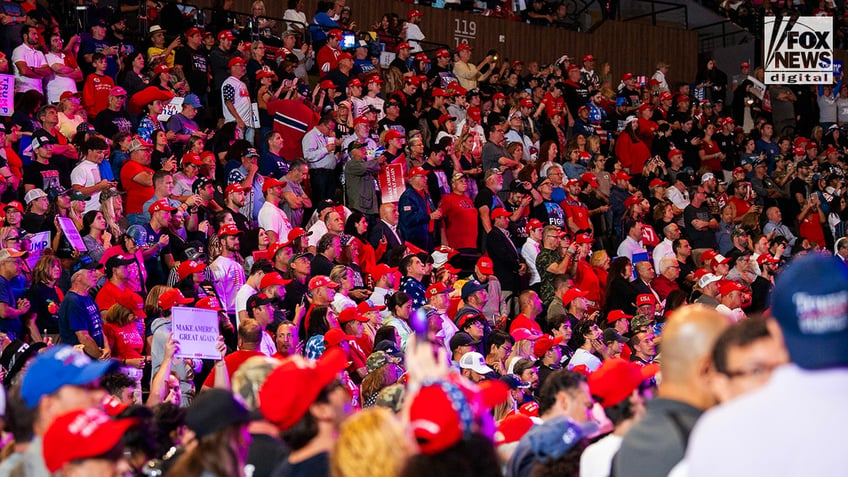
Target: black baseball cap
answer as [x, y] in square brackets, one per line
[462, 338]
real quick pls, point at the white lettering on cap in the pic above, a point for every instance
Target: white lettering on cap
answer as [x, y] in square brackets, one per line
[821, 314]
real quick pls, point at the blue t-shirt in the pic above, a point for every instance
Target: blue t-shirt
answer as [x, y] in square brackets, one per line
[90, 45]
[272, 165]
[10, 326]
[79, 313]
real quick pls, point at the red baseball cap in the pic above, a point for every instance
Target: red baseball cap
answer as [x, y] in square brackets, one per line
[271, 182]
[354, 82]
[584, 238]
[674, 152]
[417, 171]
[404, 45]
[191, 158]
[336, 33]
[351, 313]
[321, 281]
[645, 299]
[622, 176]
[534, 224]
[414, 13]
[657, 183]
[571, 294]
[236, 61]
[485, 265]
[273, 279]
[544, 344]
[189, 267]
[368, 306]
[82, 434]
[226, 35]
[133, 302]
[434, 418]
[627, 76]
[375, 79]
[422, 57]
[163, 68]
[436, 288]
[474, 113]
[500, 212]
[463, 47]
[632, 200]
[526, 103]
[499, 95]
[394, 134]
[590, 178]
[380, 270]
[616, 315]
[345, 56]
[666, 96]
[284, 404]
[193, 31]
[766, 258]
[171, 298]
[209, 303]
[726, 287]
[512, 428]
[228, 229]
[335, 336]
[15, 205]
[297, 232]
[234, 188]
[616, 379]
[160, 205]
[327, 84]
[443, 53]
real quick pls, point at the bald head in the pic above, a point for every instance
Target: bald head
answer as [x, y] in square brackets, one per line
[687, 344]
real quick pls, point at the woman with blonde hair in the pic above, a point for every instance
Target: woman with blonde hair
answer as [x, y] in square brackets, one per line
[466, 162]
[522, 349]
[343, 275]
[113, 212]
[367, 438]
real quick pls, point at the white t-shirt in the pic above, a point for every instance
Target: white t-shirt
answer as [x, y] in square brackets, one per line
[235, 91]
[318, 230]
[267, 345]
[271, 218]
[413, 36]
[246, 291]
[33, 59]
[596, 460]
[87, 174]
[581, 356]
[55, 84]
[227, 278]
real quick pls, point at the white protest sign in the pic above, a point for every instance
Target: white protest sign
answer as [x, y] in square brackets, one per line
[71, 233]
[757, 89]
[196, 331]
[798, 50]
[7, 95]
[170, 109]
[37, 243]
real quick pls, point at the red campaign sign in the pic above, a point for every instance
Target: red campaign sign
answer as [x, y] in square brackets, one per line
[392, 183]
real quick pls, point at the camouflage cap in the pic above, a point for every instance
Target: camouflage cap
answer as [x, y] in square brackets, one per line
[640, 321]
[391, 397]
[377, 360]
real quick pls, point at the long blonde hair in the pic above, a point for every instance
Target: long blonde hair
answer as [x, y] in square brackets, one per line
[371, 443]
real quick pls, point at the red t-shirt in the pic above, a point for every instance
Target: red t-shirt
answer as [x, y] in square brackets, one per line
[460, 218]
[553, 105]
[234, 361]
[137, 194]
[811, 229]
[711, 149]
[107, 296]
[577, 211]
[126, 342]
[587, 281]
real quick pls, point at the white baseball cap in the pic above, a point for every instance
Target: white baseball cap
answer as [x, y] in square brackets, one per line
[475, 362]
[33, 195]
[707, 279]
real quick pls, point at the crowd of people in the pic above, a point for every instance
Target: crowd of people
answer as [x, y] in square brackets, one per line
[452, 266]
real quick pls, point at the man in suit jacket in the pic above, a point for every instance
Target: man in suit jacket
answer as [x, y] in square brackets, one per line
[644, 275]
[505, 258]
[386, 229]
[419, 217]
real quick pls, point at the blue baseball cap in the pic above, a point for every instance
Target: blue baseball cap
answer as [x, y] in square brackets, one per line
[551, 440]
[191, 99]
[810, 303]
[60, 366]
